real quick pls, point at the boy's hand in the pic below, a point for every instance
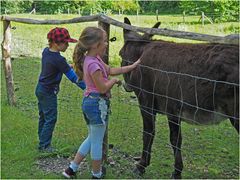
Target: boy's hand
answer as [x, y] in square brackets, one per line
[81, 84]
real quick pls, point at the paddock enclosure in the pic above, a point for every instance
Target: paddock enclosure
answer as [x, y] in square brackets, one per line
[208, 151]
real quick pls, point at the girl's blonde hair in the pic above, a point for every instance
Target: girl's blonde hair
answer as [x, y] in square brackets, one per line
[89, 37]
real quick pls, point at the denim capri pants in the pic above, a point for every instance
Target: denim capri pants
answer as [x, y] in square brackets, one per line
[95, 109]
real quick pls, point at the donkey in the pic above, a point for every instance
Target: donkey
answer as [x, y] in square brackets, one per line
[196, 83]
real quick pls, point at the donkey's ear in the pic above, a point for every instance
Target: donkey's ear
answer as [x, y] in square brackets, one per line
[125, 31]
[127, 21]
[157, 25]
[149, 36]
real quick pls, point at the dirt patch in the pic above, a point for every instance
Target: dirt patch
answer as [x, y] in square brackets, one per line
[118, 163]
[58, 164]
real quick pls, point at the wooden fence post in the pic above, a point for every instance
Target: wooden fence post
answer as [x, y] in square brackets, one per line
[33, 11]
[6, 55]
[105, 27]
[202, 18]
[184, 17]
[157, 14]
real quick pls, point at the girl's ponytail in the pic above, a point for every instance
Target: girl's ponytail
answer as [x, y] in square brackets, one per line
[78, 57]
[88, 37]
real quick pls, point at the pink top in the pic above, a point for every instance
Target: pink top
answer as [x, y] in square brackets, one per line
[92, 64]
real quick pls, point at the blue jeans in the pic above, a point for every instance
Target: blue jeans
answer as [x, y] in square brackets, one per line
[47, 106]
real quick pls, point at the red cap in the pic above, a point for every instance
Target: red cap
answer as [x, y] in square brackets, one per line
[60, 35]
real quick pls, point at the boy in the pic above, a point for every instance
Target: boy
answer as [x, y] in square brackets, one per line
[53, 67]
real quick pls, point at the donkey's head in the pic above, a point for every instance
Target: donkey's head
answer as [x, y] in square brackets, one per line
[133, 48]
[133, 44]
[131, 35]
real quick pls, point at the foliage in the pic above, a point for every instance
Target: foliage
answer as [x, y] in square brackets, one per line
[54, 7]
[17, 6]
[150, 7]
[220, 10]
[97, 6]
[129, 7]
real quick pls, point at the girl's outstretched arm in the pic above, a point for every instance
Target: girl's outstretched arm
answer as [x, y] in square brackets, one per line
[124, 69]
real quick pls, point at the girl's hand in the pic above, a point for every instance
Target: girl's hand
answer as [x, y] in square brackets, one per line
[117, 81]
[136, 63]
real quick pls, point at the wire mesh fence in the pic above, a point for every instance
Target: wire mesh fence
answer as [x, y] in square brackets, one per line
[205, 149]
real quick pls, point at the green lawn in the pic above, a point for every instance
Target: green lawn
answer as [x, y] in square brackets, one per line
[208, 151]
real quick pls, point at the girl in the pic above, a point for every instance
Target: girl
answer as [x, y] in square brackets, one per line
[87, 59]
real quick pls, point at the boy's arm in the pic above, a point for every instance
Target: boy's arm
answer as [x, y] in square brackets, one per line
[71, 75]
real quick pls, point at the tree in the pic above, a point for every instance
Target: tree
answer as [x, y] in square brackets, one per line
[129, 7]
[150, 7]
[17, 6]
[220, 10]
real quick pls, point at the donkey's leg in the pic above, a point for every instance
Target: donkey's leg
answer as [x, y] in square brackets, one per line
[148, 136]
[176, 142]
[235, 123]
[233, 112]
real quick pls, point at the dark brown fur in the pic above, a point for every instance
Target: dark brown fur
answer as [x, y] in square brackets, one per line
[161, 88]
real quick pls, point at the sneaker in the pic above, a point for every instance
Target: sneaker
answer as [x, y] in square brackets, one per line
[103, 174]
[48, 149]
[69, 173]
[94, 177]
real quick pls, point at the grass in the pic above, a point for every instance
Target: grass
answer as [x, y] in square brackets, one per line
[208, 151]
[19, 139]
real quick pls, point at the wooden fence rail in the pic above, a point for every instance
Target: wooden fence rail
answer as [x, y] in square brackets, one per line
[231, 39]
